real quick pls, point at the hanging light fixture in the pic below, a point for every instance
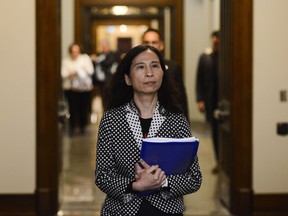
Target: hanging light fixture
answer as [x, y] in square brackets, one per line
[119, 10]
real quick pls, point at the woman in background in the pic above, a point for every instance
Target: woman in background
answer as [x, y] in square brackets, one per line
[76, 72]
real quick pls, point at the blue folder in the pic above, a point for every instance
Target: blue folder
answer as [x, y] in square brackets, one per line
[173, 155]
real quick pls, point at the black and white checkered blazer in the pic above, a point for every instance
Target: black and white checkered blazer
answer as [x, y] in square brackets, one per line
[118, 150]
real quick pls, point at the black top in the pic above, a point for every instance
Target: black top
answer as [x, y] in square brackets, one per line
[145, 124]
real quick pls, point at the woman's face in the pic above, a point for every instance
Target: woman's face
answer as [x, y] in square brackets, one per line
[75, 51]
[145, 74]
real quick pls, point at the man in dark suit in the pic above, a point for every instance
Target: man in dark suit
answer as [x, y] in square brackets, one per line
[153, 38]
[207, 88]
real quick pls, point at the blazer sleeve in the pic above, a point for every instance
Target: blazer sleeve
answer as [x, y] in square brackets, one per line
[106, 176]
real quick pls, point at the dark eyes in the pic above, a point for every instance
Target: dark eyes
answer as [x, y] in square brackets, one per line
[153, 65]
[140, 66]
[156, 65]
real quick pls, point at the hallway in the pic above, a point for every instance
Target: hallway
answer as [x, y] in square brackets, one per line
[79, 195]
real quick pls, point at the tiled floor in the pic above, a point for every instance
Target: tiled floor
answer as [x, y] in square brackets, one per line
[79, 195]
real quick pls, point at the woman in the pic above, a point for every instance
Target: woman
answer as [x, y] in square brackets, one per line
[142, 103]
[76, 73]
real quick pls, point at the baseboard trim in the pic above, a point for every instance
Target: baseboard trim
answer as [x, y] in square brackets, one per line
[17, 205]
[270, 205]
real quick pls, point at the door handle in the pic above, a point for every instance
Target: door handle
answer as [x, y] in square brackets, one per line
[221, 114]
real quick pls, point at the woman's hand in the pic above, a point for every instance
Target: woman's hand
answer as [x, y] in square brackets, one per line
[148, 177]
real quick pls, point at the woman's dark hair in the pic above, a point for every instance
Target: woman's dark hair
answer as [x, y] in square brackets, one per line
[119, 93]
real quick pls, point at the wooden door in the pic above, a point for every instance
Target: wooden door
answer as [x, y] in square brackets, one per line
[124, 44]
[235, 106]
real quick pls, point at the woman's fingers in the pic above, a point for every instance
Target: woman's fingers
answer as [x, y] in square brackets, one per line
[144, 164]
[144, 172]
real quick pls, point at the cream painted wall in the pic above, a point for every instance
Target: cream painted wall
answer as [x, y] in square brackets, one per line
[270, 75]
[67, 25]
[17, 93]
[201, 18]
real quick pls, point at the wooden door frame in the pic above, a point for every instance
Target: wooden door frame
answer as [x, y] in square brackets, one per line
[44, 201]
[177, 15]
[48, 82]
[236, 44]
[116, 22]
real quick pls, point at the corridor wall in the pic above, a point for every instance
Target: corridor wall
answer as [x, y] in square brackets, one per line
[17, 93]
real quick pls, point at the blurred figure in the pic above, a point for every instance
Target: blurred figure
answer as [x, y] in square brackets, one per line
[153, 38]
[105, 64]
[76, 72]
[207, 88]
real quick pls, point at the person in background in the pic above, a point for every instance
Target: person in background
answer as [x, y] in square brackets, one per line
[105, 64]
[207, 88]
[142, 103]
[153, 38]
[76, 72]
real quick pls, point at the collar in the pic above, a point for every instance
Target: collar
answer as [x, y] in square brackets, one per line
[132, 116]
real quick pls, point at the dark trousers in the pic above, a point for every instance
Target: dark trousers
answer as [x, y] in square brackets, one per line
[79, 108]
[147, 209]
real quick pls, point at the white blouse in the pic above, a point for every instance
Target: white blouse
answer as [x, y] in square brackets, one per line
[84, 69]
